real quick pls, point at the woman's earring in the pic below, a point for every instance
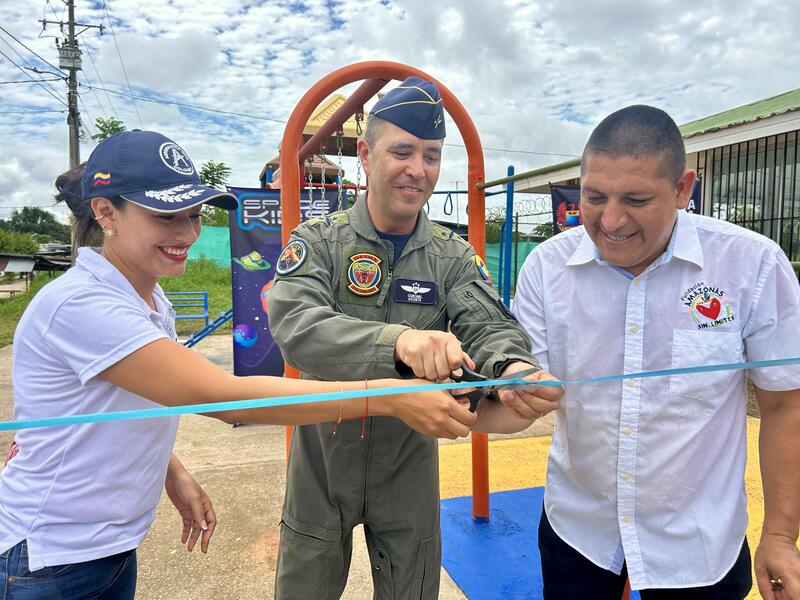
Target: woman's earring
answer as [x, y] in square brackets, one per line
[107, 231]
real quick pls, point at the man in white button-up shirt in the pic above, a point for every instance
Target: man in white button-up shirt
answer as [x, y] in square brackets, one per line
[645, 478]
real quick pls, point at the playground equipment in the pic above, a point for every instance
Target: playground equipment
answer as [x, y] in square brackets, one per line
[223, 318]
[375, 75]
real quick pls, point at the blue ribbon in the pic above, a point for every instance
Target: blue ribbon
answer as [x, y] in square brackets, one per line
[168, 411]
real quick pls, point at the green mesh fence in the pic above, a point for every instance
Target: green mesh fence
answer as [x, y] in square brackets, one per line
[214, 244]
[519, 252]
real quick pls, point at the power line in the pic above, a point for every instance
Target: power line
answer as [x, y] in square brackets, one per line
[24, 81]
[61, 100]
[195, 106]
[29, 112]
[25, 62]
[47, 3]
[86, 111]
[100, 79]
[48, 63]
[94, 93]
[509, 150]
[124, 71]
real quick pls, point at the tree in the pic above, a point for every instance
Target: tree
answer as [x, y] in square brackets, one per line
[17, 243]
[107, 127]
[214, 174]
[38, 221]
[544, 230]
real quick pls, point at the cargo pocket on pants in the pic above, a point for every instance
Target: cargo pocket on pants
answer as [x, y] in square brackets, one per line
[308, 566]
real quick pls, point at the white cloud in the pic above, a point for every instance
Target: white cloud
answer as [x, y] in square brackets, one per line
[534, 76]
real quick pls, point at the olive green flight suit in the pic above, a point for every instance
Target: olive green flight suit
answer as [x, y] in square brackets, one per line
[389, 481]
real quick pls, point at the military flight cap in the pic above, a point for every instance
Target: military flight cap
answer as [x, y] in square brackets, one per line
[415, 106]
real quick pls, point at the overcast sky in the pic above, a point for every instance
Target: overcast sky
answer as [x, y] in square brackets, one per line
[534, 76]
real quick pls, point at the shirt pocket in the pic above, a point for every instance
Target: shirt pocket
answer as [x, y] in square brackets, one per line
[701, 348]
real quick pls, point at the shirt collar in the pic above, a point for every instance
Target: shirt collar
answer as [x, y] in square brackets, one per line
[684, 244]
[102, 269]
[361, 222]
[686, 240]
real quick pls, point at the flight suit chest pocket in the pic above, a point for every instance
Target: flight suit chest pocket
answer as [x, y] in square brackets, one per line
[702, 348]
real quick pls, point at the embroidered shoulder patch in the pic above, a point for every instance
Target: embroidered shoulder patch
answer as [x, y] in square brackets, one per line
[482, 269]
[364, 274]
[291, 257]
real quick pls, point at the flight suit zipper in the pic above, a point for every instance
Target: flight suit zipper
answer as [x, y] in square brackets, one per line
[368, 426]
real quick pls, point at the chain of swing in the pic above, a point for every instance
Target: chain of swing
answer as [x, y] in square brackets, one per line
[341, 197]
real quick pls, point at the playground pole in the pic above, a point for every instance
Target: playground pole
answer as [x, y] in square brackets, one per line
[506, 266]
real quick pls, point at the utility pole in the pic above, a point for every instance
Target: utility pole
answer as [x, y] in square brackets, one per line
[69, 60]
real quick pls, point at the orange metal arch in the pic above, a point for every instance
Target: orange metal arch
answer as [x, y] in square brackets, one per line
[291, 186]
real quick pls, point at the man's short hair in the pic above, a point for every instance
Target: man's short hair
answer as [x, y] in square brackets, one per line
[373, 129]
[640, 132]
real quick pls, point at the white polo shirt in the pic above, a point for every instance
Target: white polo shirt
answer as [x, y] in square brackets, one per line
[83, 492]
[651, 471]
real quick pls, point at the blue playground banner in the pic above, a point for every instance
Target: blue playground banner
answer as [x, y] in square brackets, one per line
[255, 230]
[566, 207]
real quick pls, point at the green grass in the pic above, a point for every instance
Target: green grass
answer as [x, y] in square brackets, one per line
[202, 275]
[11, 309]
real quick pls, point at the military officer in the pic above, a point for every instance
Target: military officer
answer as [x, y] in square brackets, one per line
[369, 292]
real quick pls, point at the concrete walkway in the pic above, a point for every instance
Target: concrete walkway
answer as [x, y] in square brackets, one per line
[243, 470]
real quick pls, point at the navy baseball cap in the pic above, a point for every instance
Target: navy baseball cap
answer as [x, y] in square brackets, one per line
[415, 106]
[148, 169]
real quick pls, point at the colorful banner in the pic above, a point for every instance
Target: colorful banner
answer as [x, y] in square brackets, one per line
[255, 245]
[566, 207]
[696, 198]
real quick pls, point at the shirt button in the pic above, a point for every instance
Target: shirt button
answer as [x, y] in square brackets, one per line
[636, 281]
[630, 382]
[626, 520]
[626, 477]
[627, 431]
[634, 329]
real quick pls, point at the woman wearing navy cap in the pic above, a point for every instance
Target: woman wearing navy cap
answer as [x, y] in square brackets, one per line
[76, 501]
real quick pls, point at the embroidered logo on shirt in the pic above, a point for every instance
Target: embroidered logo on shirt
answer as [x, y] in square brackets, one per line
[708, 305]
[482, 269]
[412, 291]
[364, 274]
[292, 256]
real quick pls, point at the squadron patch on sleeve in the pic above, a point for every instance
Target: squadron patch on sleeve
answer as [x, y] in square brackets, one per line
[291, 257]
[482, 269]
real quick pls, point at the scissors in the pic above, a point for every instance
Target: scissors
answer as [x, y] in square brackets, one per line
[489, 391]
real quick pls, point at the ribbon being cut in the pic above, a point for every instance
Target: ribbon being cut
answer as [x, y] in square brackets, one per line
[492, 384]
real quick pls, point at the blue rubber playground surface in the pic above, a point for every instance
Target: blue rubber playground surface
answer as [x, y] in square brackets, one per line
[500, 559]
